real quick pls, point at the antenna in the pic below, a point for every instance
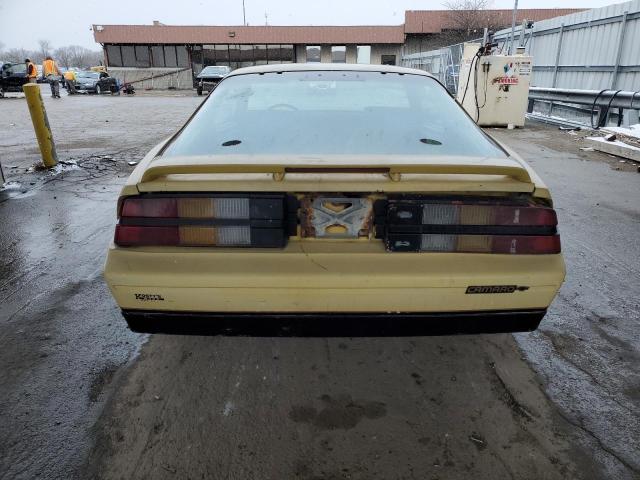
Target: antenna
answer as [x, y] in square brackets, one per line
[244, 15]
[266, 18]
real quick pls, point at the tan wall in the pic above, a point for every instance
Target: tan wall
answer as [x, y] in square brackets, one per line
[154, 78]
[325, 54]
[378, 50]
[351, 53]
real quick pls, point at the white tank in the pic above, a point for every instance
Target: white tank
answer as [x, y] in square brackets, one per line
[494, 89]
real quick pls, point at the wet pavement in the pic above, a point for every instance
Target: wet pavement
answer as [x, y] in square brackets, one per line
[82, 397]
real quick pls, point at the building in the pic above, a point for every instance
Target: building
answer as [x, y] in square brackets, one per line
[169, 56]
[430, 29]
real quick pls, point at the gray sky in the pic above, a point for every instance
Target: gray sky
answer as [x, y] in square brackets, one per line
[23, 23]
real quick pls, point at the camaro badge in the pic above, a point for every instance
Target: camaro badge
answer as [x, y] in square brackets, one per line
[495, 289]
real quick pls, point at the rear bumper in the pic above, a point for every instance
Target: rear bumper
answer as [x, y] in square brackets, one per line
[325, 278]
[333, 324]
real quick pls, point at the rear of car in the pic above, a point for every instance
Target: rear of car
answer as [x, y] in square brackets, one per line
[210, 76]
[344, 192]
[12, 77]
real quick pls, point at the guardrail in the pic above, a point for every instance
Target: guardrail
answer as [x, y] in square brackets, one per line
[598, 101]
[595, 98]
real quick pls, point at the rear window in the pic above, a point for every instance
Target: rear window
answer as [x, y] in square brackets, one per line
[331, 112]
[214, 71]
[88, 74]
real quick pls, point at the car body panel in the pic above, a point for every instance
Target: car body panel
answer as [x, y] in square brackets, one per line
[153, 174]
[13, 76]
[107, 83]
[207, 80]
[326, 276]
[330, 276]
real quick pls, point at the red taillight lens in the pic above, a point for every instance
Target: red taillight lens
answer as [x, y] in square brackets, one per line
[488, 226]
[526, 245]
[131, 235]
[223, 220]
[149, 208]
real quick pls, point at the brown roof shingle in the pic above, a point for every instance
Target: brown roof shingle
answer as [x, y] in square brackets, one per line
[248, 35]
[434, 21]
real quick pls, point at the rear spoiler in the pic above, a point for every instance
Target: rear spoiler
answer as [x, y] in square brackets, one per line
[280, 166]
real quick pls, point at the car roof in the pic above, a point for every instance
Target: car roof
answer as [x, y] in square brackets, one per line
[329, 67]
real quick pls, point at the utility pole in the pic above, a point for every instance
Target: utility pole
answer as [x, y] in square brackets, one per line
[513, 26]
[244, 15]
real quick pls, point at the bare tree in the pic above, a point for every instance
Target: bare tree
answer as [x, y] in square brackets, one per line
[78, 56]
[17, 55]
[45, 48]
[468, 18]
[63, 56]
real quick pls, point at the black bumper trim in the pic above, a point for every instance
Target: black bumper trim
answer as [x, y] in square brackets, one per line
[332, 324]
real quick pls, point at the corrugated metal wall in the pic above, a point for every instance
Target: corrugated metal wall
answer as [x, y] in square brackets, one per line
[595, 49]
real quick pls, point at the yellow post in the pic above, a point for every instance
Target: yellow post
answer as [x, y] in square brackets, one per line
[41, 124]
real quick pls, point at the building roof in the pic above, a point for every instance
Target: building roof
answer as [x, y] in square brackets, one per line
[435, 21]
[310, 35]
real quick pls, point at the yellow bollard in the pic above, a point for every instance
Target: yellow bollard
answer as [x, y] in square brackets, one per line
[41, 124]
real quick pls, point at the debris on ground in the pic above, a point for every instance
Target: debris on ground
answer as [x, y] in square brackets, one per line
[478, 441]
[630, 131]
[615, 147]
[611, 137]
[132, 163]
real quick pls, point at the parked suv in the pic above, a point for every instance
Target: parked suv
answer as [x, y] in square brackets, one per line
[209, 77]
[12, 77]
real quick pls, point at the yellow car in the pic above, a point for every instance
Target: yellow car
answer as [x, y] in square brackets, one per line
[319, 194]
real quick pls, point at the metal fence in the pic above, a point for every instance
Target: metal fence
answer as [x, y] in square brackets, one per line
[593, 50]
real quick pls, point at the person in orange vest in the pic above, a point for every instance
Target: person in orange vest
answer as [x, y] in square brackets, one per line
[32, 71]
[70, 81]
[51, 73]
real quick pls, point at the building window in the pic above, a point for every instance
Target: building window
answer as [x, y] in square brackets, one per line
[114, 56]
[128, 56]
[260, 54]
[338, 54]
[170, 56]
[288, 53]
[142, 56]
[221, 55]
[388, 59]
[183, 56]
[234, 56]
[313, 54]
[246, 56]
[363, 54]
[157, 55]
[273, 54]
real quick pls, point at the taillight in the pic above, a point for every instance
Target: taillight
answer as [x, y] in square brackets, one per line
[483, 226]
[204, 220]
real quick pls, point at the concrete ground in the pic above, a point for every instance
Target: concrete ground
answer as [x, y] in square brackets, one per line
[82, 397]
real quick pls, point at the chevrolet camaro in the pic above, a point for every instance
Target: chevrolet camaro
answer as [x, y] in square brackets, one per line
[319, 193]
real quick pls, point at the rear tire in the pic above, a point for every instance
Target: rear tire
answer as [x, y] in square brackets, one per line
[98, 90]
[1, 92]
[199, 89]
